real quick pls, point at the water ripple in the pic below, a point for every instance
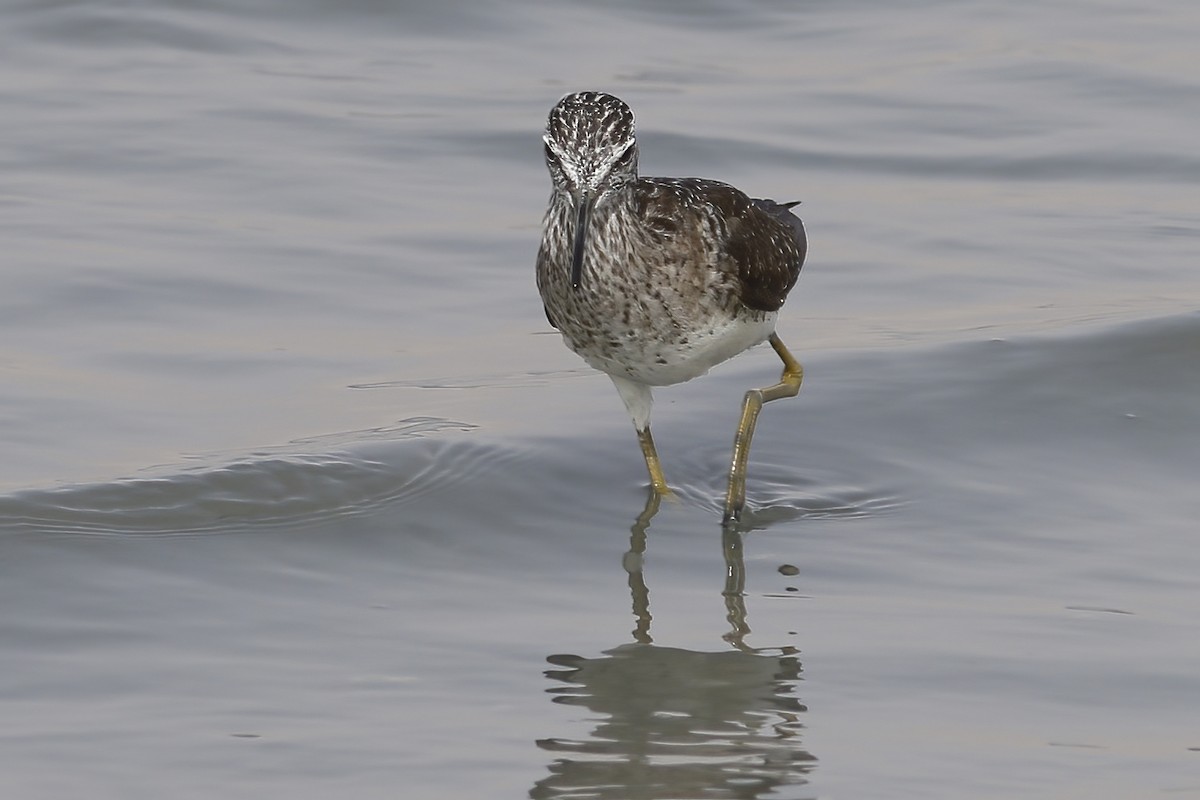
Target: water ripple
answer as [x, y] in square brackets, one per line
[780, 492]
[279, 487]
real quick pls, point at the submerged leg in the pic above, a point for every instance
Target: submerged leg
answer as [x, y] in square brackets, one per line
[788, 386]
[638, 400]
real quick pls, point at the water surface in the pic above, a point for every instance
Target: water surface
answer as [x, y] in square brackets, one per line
[301, 496]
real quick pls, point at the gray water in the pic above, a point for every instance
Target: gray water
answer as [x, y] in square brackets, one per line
[301, 497]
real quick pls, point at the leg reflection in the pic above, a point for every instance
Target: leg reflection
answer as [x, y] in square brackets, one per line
[633, 561]
[660, 721]
[735, 589]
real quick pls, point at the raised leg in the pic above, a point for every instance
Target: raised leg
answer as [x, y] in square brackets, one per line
[788, 386]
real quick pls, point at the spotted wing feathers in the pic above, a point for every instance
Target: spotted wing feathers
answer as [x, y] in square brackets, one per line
[764, 240]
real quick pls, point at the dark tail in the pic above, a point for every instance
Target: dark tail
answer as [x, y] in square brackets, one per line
[783, 213]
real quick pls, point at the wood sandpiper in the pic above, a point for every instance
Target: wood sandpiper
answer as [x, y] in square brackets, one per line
[654, 281]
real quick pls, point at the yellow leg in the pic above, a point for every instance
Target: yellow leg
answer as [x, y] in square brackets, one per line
[657, 481]
[788, 386]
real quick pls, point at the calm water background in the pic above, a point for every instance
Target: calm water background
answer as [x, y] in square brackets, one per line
[300, 497]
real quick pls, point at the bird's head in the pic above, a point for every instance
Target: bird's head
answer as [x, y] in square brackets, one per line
[590, 146]
[590, 152]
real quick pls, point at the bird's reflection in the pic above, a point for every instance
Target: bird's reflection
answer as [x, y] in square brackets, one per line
[674, 722]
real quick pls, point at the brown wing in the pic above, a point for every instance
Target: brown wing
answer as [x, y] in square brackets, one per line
[763, 239]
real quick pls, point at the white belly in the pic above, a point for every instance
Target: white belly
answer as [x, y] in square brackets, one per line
[662, 364]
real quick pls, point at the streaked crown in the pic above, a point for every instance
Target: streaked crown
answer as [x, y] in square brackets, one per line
[590, 143]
